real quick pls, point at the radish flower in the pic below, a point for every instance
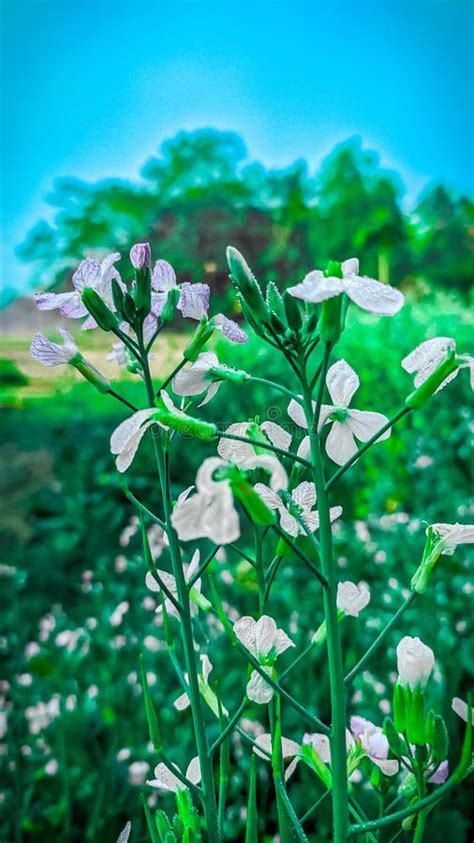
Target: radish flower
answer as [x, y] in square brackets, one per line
[51, 353]
[374, 744]
[352, 598]
[367, 293]
[302, 499]
[265, 642]
[168, 579]
[166, 780]
[342, 382]
[90, 273]
[427, 356]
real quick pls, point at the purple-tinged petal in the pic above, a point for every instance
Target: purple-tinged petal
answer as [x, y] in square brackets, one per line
[230, 329]
[441, 774]
[140, 255]
[87, 274]
[163, 277]
[194, 300]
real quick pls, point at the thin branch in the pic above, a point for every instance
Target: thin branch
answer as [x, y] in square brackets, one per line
[202, 567]
[312, 567]
[342, 470]
[122, 400]
[278, 387]
[228, 729]
[376, 644]
[141, 506]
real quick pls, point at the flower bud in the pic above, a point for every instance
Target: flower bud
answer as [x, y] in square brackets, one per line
[202, 335]
[421, 395]
[415, 662]
[99, 310]
[292, 311]
[393, 737]
[247, 284]
[143, 290]
[439, 741]
[140, 255]
[90, 373]
[172, 300]
[399, 708]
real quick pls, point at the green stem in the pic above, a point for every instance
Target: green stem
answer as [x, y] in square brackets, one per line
[259, 569]
[230, 725]
[432, 799]
[122, 400]
[336, 673]
[342, 470]
[170, 377]
[278, 387]
[309, 564]
[209, 796]
[376, 644]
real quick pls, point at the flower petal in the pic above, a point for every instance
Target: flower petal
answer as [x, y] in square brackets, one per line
[265, 631]
[163, 276]
[193, 771]
[315, 288]
[127, 428]
[126, 456]
[258, 690]
[365, 424]
[296, 413]
[342, 382]
[340, 443]
[276, 434]
[230, 329]
[281, 642]
[234, 451]
[87, 274]
[268, 496]
[373, 296]
[304, 494]
[245, 630]
[194, 300]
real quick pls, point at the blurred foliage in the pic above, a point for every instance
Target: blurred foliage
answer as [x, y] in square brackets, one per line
[74, 607]
[201, 193]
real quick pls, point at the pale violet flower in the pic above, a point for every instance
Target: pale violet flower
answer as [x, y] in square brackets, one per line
[461, 709]
[342, 382]
[194, 298]
[415, 661]
[453, 534]
[303, 499]
[352, 598]
[265, 642]
[440, 775]
[51, 353]
[229, 329]
[373, 742]
[427, 356]
[196, 599]
[289, 750]
[210, 513]
[366, 293]
[165, 779]
[90, 273]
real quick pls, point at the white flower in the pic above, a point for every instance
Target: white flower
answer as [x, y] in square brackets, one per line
[453, 534]
[125, 833]
[170, 583]
[320, 744]
[166, 780]
[461, 709]
[183, 702]
[342, 382]
[415, 662]
[303, 499]
[127, 436]
[289, 750]
[239, 452]
[365, 292]
[51, 353]
[210, 513]
[352, 598]
[192, 379]
[265, 642]
[427, 356]
[90, 273]
[373, 741]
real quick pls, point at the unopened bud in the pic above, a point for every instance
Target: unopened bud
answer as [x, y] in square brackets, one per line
[99, 310]
[140, 255]
[243, 278]
[198, 341]
[172, 300]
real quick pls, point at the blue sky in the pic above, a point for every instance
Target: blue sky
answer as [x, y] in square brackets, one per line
[92, 88]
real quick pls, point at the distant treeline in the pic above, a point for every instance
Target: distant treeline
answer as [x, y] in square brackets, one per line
[202, 193]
